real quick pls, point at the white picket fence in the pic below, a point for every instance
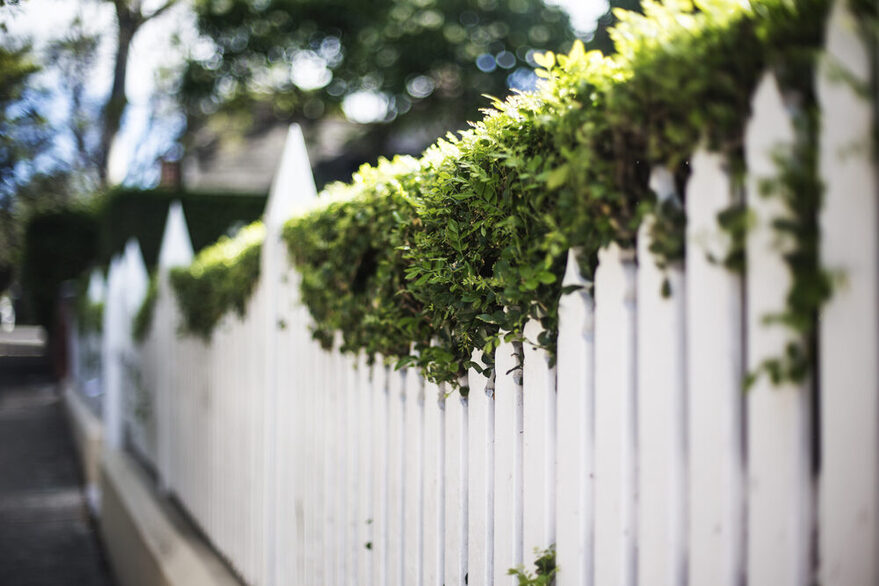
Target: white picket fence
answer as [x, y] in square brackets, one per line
[638, 456]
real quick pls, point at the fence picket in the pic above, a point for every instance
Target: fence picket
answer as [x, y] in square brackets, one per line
[539, 483]
[778, 416]
[364, 504]
[506, 533]
[576, 386]
[714, 382]
[849, 378]
[480, 443]
[395, 476]
[454, 497]
[615, 419]
[412, 446]
[431, 482]
[661, 409]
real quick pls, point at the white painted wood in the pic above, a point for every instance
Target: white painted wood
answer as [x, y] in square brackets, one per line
[379, 473]
[364, 519]
[615, 419]
[661, 410]
[433, 537]
[293, 187]
[779, 484]
[576, 378]
[539, 419]
[714, 383]
[849, 325]
[479, 445]
[112, 401]
[412, 536]
[441, 487]
[396, 476]
[454, 497]
[175, 251]
[507, 497]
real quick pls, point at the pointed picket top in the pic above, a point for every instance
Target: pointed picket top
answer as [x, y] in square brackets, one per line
[97, 287]
[136, 277]
[844, 45]
[112, 299]
[176, 249]
[662, 182]
[293, 186]
[573, 276]
[769, 127]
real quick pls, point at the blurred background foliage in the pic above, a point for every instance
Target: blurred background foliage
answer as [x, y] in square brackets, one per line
[409, 69]
[395, 74]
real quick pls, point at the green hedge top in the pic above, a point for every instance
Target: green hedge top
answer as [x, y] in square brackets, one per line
[222, 277]
[459, 249]
[126, 212]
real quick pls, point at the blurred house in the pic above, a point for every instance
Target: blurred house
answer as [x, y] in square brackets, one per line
[222, 156]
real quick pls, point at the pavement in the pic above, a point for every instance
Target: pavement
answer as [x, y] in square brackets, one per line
[46, 535]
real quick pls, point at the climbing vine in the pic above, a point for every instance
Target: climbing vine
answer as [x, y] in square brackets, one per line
[799, 189]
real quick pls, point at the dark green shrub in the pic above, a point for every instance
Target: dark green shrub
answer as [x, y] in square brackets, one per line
[221, 278]
[126, 212]
[59, 245]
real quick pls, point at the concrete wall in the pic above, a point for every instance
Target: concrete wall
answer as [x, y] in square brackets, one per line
[146, 540]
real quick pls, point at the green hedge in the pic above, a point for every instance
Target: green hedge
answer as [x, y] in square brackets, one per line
[59, 245]
[222, 277]
[460, 248]
[126, 212]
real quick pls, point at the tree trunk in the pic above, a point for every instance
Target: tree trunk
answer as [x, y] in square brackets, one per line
[111, 120]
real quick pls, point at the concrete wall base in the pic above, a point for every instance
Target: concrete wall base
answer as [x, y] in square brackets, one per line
[146, 540]
[86, 428]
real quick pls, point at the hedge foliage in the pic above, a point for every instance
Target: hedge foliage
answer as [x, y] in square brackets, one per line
[143, 319]
[459, 249]
[127, 212]
[59, 245]
[222, 277]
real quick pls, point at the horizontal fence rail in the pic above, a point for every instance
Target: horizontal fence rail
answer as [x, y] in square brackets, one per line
[637, 455]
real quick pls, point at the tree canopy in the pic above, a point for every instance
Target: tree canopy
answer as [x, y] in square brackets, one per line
[414, 63]
[22, 136]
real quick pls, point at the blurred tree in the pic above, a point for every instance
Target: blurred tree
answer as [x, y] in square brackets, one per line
[413, 67]
[601, 40]
[130, 17]
[23, 134]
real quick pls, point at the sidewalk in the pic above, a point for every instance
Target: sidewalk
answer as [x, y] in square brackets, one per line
[46, 537]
